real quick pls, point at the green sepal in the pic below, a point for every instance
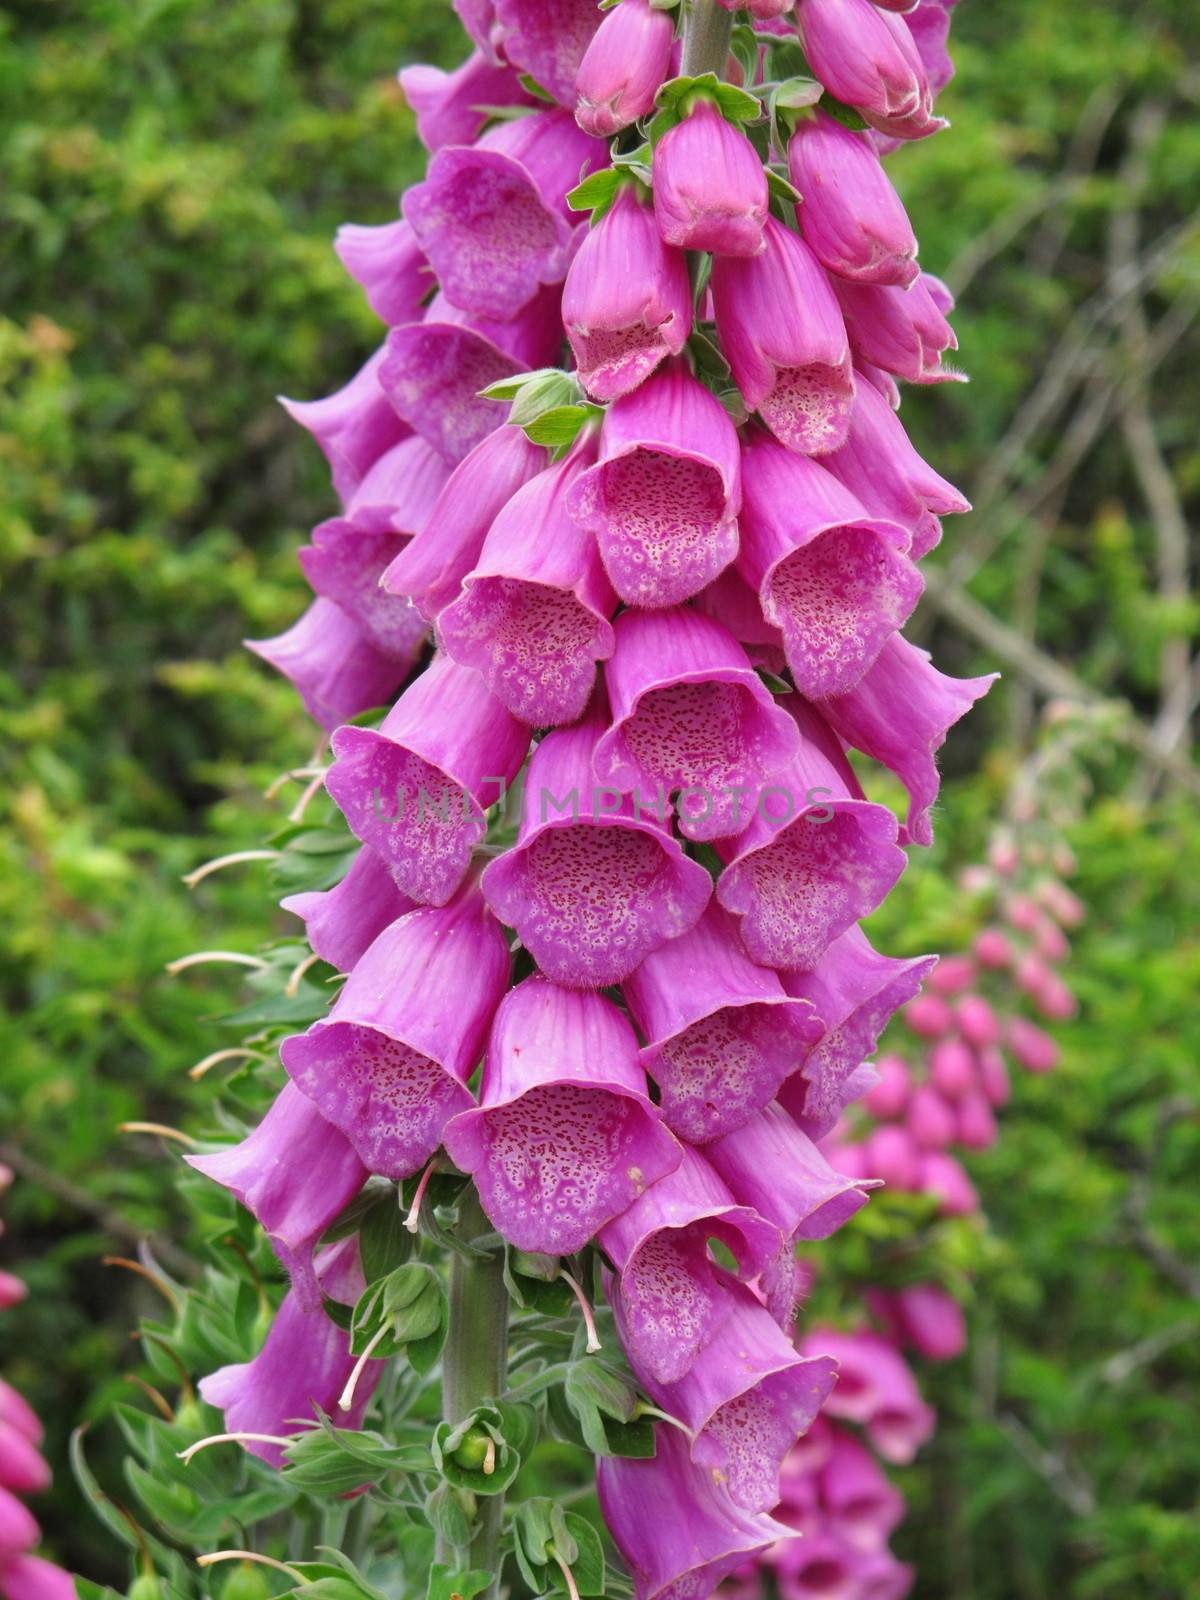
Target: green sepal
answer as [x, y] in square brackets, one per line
[533, 1282]
[734, 104]
[781, 188]
[447, 1584]
[460, 1450]
[840, 112]
[599, 190]
[774, 684]
[531, 86]
[542, 1530]
[384, 1243]
[451, 1513]
[409, 1304]
[330, 1461]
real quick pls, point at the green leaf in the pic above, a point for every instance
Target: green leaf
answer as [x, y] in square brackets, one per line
[774, 684]
[846, 115]
[598, 189]
[533, 87]
[445, 1583]
[780, 187]
[560, 427]
[679, 94]
[587, 1564]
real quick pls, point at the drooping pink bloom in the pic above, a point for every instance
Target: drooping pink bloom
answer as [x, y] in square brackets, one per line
[941, 1175]
[18, 1527]
[690, 714]
[929, 24]
[23, 1468]
[676, 1525]
[389, 1064]
[952, 1068]
[478, 18]
[672, 1291]
[722, 1034]
[875, 1386]
[432, 566]
[533, 613]
[891, 1154]
[565, 1136]
[976, 1122]
[595, 882]
[952, 975]
[28, 1577]
[783, 336]
[450, 106]
[861, 1504]
[710, 190]
[867, 57]
[900, 713]
[813, 858]
[892, 1093]
[746, 1398]
[930, 1118]
[353, 426]
[856, 991]
[623, 67]
[344, 564]
[16, 1412]
[664, 496]
[835, 581]
[387, 264]
[880, 1576]
[627, 301]
[928, 1016]
[850, 216]
[341, 922]
[817, 1567]
[904, 331]
[336, 671]
[993, 1077]
[398, 491]
[294, 1173]
[931, 1321]
[977, 1022]
[491, 216]
[12, 1291]
[416, 789]
[880, 467]
[547, 39]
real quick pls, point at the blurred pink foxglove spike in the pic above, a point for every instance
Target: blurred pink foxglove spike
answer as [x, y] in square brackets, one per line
[930, 1118]
[903, 331]
[856, 991]
[353, 426]
[891, 1154]
[783, 336]
[977, 1128]
[836, 582]
[533, 614]
[867, 57]
[813, 858]
[27, 1577]
[899, 714]
[746, 1398]
[672, 1290]
[565, 1136]
[876, 1388]
[623, 67]
[23, 1468]
[861, 1504]
[722, 1033]
[344, 564]
[389, 1064]
[664, 496]
[337, 672]
[880, 467]
[943, 1177]
[387, 264]
[690, 714]
[399, 490]
[931, 1321]
[547, 39]
[432, 567]
[710, 190]
[595, 881]
[417, 789]
[627, 301]
[675, 1524]
[341, 922]
[952, 1068]
[977, 1022]
[893, 1092]
[491, 217]
[294, 1173]
[18, 1527]
[16, 1412]
[449, 106]
[850, 216]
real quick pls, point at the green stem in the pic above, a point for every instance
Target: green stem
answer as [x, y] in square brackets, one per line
[706, 36]
[474, 1368]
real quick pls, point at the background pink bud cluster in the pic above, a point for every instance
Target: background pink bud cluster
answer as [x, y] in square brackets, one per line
[24, 1472]
[589, 755]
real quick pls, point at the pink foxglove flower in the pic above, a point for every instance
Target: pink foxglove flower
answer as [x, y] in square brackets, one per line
[930, 1118]
[353, 427]
[627, 301]
[976, 1121]
[340, 923]
[623, 67]
[710, 190]
[447, 105]
[27, 1577]
[16, 1412]
[952, 1068]
[19, 1531]
[596, 881]
[23, 1468]
[944, 1177]
[565, 1136]
[867, 57]
[892, 1093]
[344, 563]
[722, 1034]
[389, 1064]
[903, 331]
[861, 1504]
[387, 264]
[931, 1321]
[875, 1387]
[398, 490]
[547, 39]
[417, 788]
[337, 672]
[690, 714]
[850, 216]
[782, 333]
[664, 496]
[533, 613]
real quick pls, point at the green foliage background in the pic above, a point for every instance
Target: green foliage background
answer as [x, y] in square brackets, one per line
[173, 171]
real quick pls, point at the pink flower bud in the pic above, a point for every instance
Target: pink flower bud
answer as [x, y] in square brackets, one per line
[952, 1068]
[993, 949]
[904, 331]
[952, 974]
[1022, 913]
[1054, 1000]
[976, 1124]
[931, 1119]
[931, 1321]
[928, 1016]
[1035, 1051]
[850, 215]
[977, 1021]
[867, 57]
[710, 191]
[623, 67]
[993, 1077]
[1051, 942]
[890, 1095]
[892, 1156]
[942, 1176]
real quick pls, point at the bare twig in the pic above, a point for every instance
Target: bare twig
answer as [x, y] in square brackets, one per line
[1068, 1483]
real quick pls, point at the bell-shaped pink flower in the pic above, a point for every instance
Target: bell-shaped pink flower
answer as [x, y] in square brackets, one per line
[341, 922]
[533, 613]
[850, 216]
[337, 672]
[866, 56]
[547, 39]
[387, 264]
[904, 331]
[929, 24]
[953, 974]
[892, 1093]
[861, 1503]
[627, 301]
[416, 789]
[817, 1566]
[16, 1412]
[491, 217]
[976, 1122]
[399, 490]
[891, 1154]
[23, 1468]
[690, 715]
[27, 1577]
[722, 1034]
[931, 1321]
[952, 1068]
[880, 467]
[928, 1016]
[875, 1386]
[942, 1176]
[18, 1527]
[813, 858]
[623, 67]
[450, 107]
[835, 581]
[672, 1291]
[977, 1022]
[353, 426]
[675, 1523]
[432, 566]
[993, 1077]
[390, 1063]
[595, 881]
[564, 1137]
[930, 1118]
[294, 1173]
[783, 336]
[344, 564]
[664, 496]
[856, 991]
[710, 190]
[746, 1398]
[12, 1291]
[900, 713]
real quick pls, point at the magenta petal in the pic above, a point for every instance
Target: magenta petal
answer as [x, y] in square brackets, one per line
[337, 671]
[389, 1064]
[623, 67]
[710, 190]
[547, 39]
[18, 1414]
[18, 1527]
[387, 264]
[353, 427]
[28, 1577]
[432, 375]
[850, 216]
[447, 105]
[417, 789]
[344, 563]
[398, 492]
[904, 331]
[866, 57]
[565, 1136]
[341, 922]
[294, 1173]
[875, 1387]
[862, 1504]
[593, 883]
